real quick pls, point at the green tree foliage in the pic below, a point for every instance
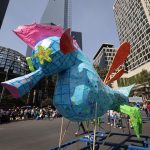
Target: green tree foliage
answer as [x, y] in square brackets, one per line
[102, 72]
[140, 78]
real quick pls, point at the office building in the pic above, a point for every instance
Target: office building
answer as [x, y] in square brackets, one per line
[133, 25]
[78, 37]
[12, 64]
[103, 59]
[3, 8]
[57, 12]
[104, 56]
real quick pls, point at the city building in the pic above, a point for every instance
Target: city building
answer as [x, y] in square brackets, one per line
[78, 37]
[3, 8]
[104, 56]
[12, 64]
[58, 12]
[133, 25]
[103, 59]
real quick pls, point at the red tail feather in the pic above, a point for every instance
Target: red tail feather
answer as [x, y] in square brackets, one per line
[116, 76]
[119, 59]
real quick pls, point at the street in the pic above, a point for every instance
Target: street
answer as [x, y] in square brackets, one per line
[43, 134]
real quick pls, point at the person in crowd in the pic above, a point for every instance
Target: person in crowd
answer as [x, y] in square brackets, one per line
[148, 109]
[145, 108]
[119, 120]
[1, 114]
[80, 125]
[27, 112]
[111, 117]
[115, 117]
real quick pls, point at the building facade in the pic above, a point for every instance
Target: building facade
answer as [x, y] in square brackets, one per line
[103, 59]
[12, 64]
[104, 56]
[58, 12]
[3, 8]
[12, 60]
[133, 25]
[78, 37]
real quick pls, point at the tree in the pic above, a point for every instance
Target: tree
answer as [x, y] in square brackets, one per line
[102, 72]
[140, 78]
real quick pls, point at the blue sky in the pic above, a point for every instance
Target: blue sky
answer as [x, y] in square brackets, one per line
[94, 18]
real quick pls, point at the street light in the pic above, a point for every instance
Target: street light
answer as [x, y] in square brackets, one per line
[3, 89]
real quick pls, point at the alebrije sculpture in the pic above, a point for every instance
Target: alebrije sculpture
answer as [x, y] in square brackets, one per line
[79, 87]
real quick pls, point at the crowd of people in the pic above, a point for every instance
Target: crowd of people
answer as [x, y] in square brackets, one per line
[114, 119]
[28, 112]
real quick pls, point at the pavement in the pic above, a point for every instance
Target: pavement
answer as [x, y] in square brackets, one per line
[43, 134]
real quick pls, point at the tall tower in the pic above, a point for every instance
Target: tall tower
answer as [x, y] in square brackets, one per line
[104, 56]
[133, 25]
[3, 8]
[57, 12]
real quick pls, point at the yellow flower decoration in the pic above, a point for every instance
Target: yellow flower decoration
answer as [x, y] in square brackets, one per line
[43, 54]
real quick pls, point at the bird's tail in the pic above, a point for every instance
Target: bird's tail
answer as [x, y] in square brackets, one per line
[126, 90]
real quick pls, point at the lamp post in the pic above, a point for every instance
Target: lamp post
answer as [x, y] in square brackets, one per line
[3, 89]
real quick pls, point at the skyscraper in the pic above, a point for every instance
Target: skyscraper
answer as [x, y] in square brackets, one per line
[133, 25]
[57, 12]
[78, 37]
[103, 58]
[3, 7]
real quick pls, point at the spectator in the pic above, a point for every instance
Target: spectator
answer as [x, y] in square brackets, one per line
[80, 124]
[148, 109]
[27, 112]
[115, 118]
[119, 119]
[145, 108]
[111, 117]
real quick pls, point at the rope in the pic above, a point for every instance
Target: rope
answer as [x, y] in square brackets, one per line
[109, 132]
[65, 131]
[99, 124]
[60, 136]
[95, 126]
[87, 127]
[105, 139]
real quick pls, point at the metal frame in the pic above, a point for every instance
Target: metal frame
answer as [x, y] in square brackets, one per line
[101, 136]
